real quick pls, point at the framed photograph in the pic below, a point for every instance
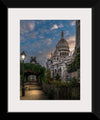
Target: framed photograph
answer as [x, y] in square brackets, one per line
[50, 58]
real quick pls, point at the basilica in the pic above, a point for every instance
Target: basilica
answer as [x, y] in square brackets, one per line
[59, 60]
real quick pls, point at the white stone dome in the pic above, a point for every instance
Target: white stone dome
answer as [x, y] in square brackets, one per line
[62, 46]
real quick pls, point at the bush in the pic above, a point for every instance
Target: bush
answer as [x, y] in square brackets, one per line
[29, 79]
[76, 63]
[73, 82]
[58, 90]
[48, 76]
[56, 83]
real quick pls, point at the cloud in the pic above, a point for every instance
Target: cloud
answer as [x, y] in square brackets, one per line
[42, 31]
[31, 35]
[40, 36]
[60, 25]
[58, 34]
[66, 33]
[72, 23]
[54, 27]
[22, 39]
[31, 26]
[52, 50]
[43, 55]
[38, 44]
[42, 60]
[26, 26]
[47, 41]
[40, 21]
[40, 52]
[48, 55]
[71, 41]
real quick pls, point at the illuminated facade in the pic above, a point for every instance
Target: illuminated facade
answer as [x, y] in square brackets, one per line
[57, 64]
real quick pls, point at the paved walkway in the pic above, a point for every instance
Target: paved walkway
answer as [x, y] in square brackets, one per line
[33, 92]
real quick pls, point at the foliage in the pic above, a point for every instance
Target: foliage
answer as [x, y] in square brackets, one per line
[48, 76]
[42, 75]
[56, 83]
[79, 76]
[32, 67]
[57, 77]
[29, 78]
[36, 69]
[21, 77]
[59, 90]
[76, 63]
[73, 82]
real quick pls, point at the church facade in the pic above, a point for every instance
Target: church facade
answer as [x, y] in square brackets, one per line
[59, 60]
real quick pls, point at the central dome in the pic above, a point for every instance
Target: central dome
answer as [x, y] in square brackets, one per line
[62, 47]
[62, 44]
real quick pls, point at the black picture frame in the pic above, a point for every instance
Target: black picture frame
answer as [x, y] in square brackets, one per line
[95, 5]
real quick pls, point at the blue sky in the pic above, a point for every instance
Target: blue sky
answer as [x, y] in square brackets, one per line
[39, 37]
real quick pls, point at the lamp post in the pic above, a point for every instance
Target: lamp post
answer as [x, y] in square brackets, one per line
[23, 55]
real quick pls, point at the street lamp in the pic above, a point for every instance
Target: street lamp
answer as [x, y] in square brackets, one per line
[23, 55]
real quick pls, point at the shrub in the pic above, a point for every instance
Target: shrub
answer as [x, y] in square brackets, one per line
[58, 83]
[73, 82]
[48, 76]
[76, 63]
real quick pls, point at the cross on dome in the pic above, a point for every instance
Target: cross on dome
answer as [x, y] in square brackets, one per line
[62, 34]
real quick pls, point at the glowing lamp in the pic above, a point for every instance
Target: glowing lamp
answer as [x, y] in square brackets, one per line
[23, 55]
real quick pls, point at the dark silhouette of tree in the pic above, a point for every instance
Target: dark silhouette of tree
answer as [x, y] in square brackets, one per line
[76, 63]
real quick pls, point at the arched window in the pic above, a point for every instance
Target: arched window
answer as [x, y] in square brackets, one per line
[60, 70]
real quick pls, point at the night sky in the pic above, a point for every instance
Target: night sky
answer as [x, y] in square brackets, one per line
[39, 37]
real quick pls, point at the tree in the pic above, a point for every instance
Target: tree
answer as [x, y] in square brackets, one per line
[76, 63]
[48, 75]
[37, 69]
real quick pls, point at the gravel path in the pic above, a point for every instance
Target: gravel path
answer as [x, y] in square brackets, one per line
[33, 92]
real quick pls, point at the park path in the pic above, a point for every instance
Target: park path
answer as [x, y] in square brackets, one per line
[33, 92]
